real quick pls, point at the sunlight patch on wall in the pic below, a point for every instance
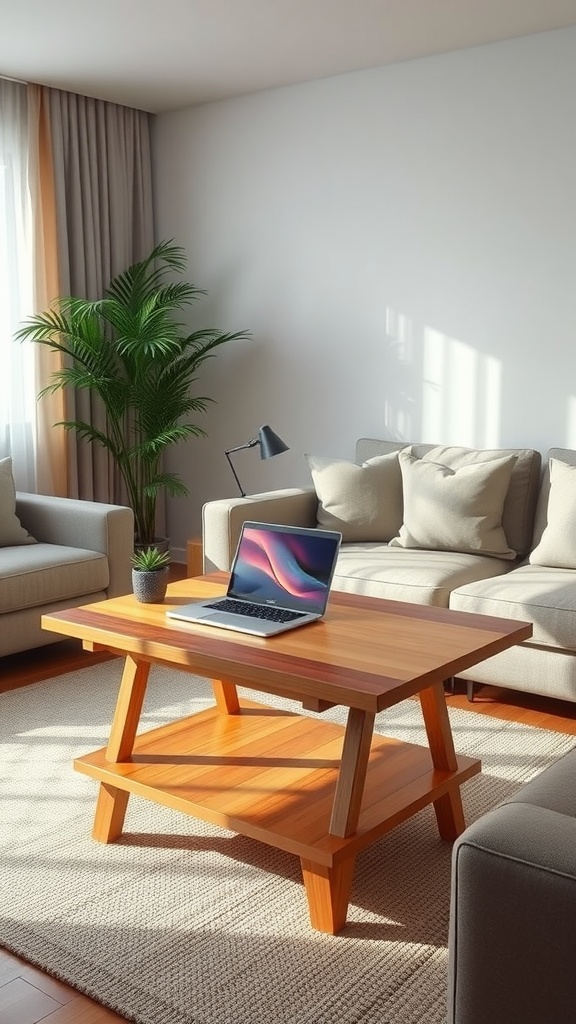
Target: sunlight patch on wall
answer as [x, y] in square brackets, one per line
[461, 392]
[440, 389]
[401, 415]
[571, 422]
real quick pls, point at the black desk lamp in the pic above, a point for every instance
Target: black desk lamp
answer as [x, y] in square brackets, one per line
[270, 445]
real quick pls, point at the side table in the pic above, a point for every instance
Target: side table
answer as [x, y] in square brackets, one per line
[194, 557]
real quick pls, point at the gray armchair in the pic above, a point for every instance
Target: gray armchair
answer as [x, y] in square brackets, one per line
[513, 909]
[82, 555]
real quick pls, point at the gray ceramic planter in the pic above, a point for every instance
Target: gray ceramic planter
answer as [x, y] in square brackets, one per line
[150, 587]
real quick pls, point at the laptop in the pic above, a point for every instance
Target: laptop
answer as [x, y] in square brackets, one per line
[280, 579]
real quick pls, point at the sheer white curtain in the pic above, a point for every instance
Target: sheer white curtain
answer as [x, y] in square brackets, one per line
[18, 384]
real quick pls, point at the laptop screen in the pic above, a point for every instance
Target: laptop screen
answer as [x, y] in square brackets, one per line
[287, 566]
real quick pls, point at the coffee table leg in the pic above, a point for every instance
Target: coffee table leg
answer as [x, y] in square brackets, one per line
[448, 808]
[328, 892]
[450, 814]
[226, 696]
[112, 802]
[128, 709]
[110, 813]
[352, 773]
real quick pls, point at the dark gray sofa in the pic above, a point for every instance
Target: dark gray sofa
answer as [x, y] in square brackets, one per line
[513, 908]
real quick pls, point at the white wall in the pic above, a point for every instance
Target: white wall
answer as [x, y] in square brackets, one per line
[402, 245]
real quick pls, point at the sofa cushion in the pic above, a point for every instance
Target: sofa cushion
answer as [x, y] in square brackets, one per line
[554, 788]
[557, 546]
[363, 502]
[11, 530]
[533, 593]
[523, 492]
[567, 455]
[422, 577]
[38, 575]
[455, 509]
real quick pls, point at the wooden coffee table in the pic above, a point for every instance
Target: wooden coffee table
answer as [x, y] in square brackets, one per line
[297, 782]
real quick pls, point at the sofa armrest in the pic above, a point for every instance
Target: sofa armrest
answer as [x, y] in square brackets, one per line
[513, 918]
[92, 525]
[222, 520]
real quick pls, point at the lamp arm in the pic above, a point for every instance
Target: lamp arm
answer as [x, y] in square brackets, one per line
[227, 454]
[249, 444]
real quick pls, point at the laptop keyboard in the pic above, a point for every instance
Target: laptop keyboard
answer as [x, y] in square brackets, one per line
[260, 611]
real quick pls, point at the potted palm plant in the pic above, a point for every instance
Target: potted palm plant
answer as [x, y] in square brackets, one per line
[150, 571]
[130, 349]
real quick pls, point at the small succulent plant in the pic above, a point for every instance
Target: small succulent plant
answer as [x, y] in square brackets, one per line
[150, 560]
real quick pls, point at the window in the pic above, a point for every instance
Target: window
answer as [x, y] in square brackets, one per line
[17, 361]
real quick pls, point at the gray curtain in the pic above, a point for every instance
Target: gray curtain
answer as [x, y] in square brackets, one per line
[103, 193]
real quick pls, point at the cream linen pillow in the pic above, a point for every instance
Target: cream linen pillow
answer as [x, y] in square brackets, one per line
[517, 515]
[11, 530]
[363, 502]
[557, 547]
[455, 509]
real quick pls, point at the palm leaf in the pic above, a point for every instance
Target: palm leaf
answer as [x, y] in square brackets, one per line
[131, 349]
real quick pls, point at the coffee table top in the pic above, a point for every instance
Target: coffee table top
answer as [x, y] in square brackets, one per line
[366, 653]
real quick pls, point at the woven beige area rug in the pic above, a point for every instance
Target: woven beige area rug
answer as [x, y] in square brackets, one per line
[181, 922]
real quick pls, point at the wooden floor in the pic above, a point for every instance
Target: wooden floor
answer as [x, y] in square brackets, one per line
[28, 995]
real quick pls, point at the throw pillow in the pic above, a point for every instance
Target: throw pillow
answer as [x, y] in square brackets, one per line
[518, 514]
[11, 530]
[363, 502]
[557, 547]
[454, 509]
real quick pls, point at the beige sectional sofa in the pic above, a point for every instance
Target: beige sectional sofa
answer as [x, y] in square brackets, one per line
[56, 553]
[542, 590]
[474, 530]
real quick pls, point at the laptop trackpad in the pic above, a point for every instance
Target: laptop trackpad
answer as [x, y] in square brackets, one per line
[228, 618]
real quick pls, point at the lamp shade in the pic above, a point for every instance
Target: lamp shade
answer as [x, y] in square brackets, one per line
[270, 443]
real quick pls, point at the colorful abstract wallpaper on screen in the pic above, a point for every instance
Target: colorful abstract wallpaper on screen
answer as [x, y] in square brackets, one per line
[284, 568]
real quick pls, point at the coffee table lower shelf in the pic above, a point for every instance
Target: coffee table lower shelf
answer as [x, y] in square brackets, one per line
[270, 774]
